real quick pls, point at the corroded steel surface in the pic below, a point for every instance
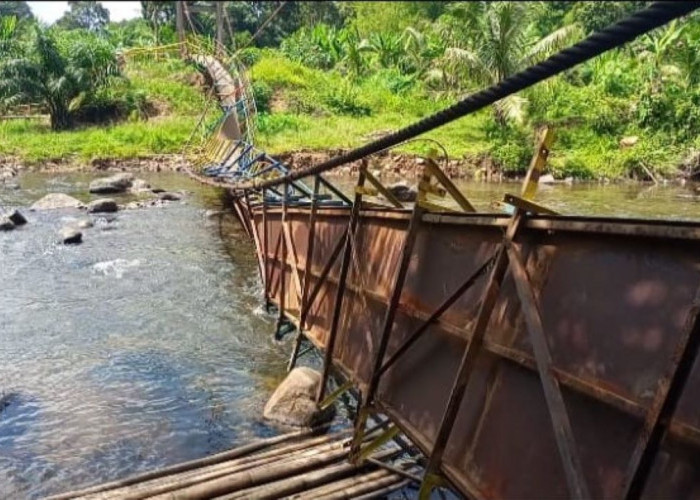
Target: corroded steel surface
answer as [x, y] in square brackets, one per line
[615, 297]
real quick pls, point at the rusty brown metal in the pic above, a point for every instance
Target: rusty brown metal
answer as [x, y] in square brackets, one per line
[283, 273]
[664, 405]
[615, 296]
[307, 275]
[435, 315]
[340, 293]
[265, 246]
[552, 392]
[471, 353]
[388, 324]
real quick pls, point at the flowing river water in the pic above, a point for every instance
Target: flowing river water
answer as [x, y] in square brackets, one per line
[146, 345]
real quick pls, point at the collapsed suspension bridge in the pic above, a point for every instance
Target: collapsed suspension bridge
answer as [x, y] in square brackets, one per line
[523, 355]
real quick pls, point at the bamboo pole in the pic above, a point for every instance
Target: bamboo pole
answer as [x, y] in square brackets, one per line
[306, 481]
[200, 462]
[364, 485]
[344, 484]
[190, 478]
[258, 476]
[295, 484]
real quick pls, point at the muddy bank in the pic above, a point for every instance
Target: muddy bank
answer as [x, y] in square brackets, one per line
[11, 166]
[392, 164]
[478, 167]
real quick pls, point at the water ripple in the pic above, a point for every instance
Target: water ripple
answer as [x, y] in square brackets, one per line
[137, 349]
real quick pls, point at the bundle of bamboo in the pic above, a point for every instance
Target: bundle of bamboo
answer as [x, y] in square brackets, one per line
[300, 465]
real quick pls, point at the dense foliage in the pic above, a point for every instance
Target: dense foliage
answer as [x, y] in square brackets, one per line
[326, 74]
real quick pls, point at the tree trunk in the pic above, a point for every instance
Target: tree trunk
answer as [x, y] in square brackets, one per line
[60, 117]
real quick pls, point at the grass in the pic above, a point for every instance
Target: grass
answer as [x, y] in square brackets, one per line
[35, 142]
[282, 132]
[320, 110]
[169, 86]
[307, 109]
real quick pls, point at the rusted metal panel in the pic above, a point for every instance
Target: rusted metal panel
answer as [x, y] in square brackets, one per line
[614, 297]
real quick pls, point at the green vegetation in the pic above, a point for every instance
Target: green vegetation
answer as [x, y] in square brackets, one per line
[169, 107]
[387, 65]
[336, 74]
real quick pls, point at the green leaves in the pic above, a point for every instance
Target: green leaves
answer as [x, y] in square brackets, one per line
[58, 69]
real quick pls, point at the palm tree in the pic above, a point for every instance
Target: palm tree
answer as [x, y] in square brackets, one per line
[58, 73]
[495, 40]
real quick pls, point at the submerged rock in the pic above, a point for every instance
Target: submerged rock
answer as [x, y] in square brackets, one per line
[170, 196]
[140, 186]
[84, 223]
[103, 205]
[70, 235]
[17, 218]
[117, 183]
[6, 224]
[294, 401]
[56, 200]
[403, 191]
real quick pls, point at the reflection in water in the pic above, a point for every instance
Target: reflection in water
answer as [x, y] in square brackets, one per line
[145, 346]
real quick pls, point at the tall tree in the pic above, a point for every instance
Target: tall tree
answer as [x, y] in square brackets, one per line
[494, 41]
[91, 16]
[159, 15]
[18, 9]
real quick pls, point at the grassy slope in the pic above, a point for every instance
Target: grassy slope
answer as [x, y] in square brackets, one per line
[323, 111]
[310, 118]
[167, 84]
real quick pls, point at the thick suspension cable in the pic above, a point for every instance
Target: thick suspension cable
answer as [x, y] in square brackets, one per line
[615, 35]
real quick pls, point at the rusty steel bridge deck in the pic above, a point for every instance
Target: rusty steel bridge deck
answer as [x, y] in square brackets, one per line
[539, 354]
[526, 354]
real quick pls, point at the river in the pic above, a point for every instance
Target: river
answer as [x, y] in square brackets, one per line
[146, 345]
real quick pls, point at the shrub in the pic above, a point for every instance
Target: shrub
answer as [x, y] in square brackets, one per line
[262, 93]
[344, 99]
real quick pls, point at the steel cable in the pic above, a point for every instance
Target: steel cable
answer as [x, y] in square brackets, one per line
[615, 35]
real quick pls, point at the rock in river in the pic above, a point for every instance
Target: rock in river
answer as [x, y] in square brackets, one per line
[6, 224]
[84, 223]
[403, 192]
[70, 235]
[56, 200]
[102, 205]
[16, 217]
[140, 186]
[117, 183]
[170, 196]
[294, 401]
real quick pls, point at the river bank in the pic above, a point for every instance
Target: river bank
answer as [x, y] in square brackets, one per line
[477, 167]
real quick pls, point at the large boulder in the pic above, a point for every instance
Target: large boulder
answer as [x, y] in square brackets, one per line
[70, 235]
[103, 205]
[294, 401]
[56, 200]
[117, 183]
